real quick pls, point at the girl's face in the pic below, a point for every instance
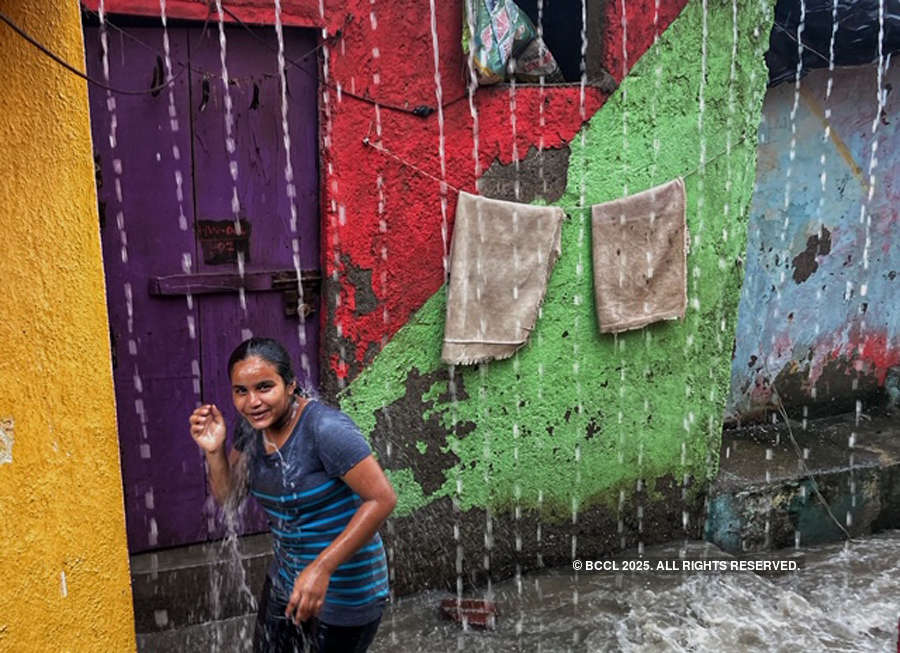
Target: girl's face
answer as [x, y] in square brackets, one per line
[259, 392]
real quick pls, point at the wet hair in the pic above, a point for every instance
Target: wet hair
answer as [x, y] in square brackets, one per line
[270, 351]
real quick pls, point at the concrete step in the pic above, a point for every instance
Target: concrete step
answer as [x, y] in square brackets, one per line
[234, 635]
[836, 477]
[189, 586]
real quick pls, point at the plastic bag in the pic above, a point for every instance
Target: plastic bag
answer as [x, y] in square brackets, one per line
[504, 42]
[855, 38]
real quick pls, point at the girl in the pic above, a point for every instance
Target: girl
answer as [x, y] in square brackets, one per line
[325, 496]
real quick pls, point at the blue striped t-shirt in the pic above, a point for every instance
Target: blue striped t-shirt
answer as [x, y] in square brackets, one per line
[308, 505]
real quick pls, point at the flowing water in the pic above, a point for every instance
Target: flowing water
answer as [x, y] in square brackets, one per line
[846, 598]
[843, 598]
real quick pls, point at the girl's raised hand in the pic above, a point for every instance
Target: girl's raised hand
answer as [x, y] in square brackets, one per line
[208, 428]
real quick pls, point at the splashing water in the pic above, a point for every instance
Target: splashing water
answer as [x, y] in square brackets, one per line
[843, 599]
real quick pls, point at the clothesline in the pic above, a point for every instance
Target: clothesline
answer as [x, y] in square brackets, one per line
[445, 184]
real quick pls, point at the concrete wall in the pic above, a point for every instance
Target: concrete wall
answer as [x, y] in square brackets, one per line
[582, 442]
[819, 324]
[62, 529]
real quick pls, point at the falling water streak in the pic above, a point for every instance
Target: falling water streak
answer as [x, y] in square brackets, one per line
[139, 407]
[186, 258]
[472, 87]
[782, 253]
[113, 140]
[439, 98]
[381, 213]
[790, 169]
[484, 419]
[487, 461]
[336, 211]
[873, 158]
[648, 339]
[542, 120]
[624, 93]
[517, 496]
[542, 123]
[539, 341]
[820, 209]
[619, 343]
[865, 218]
[694, 281]
[517, 508]
[174, 127]
[231, 148]
[483, 407]
[577, 302]
[291, 192]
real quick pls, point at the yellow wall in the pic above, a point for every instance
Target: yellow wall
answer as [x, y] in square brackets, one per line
[64, 580]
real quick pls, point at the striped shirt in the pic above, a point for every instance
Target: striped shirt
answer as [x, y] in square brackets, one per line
[308, 505]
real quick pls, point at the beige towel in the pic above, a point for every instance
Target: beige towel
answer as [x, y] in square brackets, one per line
[500, 260]
[640, 258]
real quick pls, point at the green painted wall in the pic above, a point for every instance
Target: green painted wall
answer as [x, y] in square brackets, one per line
[577, 415]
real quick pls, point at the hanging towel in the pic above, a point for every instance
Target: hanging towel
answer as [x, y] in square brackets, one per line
[640, 258]
[500, 260]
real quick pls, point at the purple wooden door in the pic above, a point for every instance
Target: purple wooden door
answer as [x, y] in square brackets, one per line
[170, 349]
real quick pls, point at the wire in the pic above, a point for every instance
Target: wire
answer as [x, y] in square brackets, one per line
[381, 148]
[147, 46]
[200, 71]
[256, 37]
[72, 69]
[809, 474]
[801, 43]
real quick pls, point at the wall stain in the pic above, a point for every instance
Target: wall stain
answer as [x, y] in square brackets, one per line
[361, 280]
[403, 424]
[805, 262]
[837, 389]
[425, 547]
[6, 440]
[540, 174]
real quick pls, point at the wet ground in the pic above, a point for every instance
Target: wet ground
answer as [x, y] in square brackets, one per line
[842, 598]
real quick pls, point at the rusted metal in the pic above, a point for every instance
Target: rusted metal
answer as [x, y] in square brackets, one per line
[284, 281]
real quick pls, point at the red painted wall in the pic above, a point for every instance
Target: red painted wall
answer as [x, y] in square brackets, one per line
[413, 268]
[386, 52]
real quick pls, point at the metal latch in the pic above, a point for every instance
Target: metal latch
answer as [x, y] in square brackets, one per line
[283, 281]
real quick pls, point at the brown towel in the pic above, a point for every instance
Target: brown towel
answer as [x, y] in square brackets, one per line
[640, 258]
[500, 260]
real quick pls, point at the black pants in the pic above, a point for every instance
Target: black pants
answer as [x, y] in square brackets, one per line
[275, 633]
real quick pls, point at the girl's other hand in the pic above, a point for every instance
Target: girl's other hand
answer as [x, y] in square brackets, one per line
[208, 428]
[308, 594]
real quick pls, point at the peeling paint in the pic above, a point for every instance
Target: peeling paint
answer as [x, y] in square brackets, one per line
[818, 319]
[541, 174]
[578, 428]
[6, 440]
[819, 244]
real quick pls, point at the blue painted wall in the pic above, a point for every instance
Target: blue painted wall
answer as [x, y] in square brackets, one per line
[819, 317]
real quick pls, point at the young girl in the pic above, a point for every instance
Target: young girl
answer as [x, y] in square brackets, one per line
[325, 496]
